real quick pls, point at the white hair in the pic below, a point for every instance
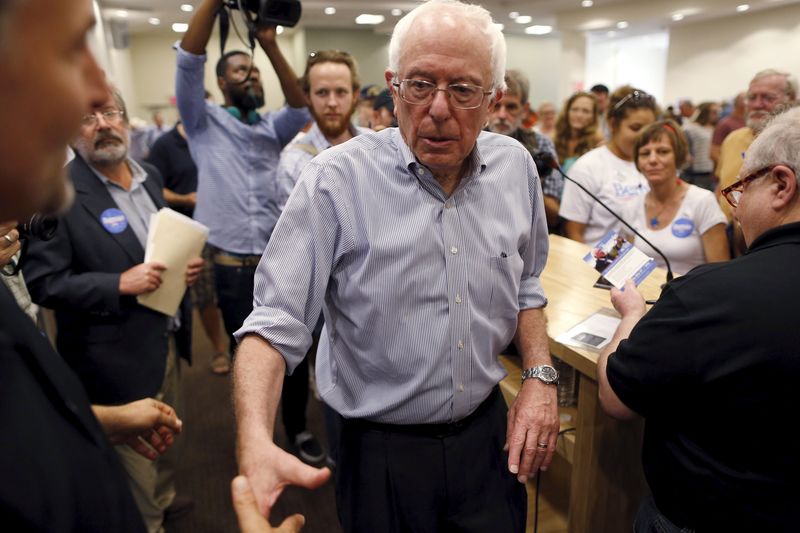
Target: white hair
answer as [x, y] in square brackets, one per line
[475, 15]
[778, 143]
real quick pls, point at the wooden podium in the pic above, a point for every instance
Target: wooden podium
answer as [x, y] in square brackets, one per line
[607, 484]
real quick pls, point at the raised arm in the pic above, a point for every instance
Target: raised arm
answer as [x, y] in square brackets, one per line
[202, 24]
[289, 84]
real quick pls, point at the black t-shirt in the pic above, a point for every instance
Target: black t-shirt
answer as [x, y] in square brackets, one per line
[713, 369]
[170, 154]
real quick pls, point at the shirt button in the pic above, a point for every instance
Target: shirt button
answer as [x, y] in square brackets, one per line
[453, 250]
[458, 298]
[448, 205]
[460, 387]
[460, 345]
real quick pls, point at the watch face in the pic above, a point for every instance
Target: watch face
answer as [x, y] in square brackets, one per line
[548, 373]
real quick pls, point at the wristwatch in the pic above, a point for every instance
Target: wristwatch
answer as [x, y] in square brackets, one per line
[545, 373]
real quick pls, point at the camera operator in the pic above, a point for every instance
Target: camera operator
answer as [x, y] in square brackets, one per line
[237, 152]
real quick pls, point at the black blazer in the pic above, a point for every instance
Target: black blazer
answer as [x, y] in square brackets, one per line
[57, 470]
[117, 347]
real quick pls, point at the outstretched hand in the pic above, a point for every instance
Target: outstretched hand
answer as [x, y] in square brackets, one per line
[148, 426]
[270, 469]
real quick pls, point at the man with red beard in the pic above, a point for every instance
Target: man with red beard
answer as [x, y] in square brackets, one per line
[330, 83]
[90, 274]
[768, 91]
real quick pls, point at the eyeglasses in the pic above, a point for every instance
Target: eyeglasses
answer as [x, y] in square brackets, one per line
[633, 97]
[112, 116]
[462, 95]
[733, 192]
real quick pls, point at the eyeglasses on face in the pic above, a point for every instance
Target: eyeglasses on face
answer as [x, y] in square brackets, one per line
[462, 95]
[111, 116]
[733, 192]
[633, 97]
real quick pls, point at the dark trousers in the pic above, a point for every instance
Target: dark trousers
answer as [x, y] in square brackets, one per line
[402, 479]
[235, 295]
[650, 520]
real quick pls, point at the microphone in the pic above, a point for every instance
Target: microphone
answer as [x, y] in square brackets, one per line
[549, 162]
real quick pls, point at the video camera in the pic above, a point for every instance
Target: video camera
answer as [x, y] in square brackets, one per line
[39, 226]
[279, 12]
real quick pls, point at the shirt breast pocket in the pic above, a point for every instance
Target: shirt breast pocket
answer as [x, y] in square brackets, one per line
[506, 271]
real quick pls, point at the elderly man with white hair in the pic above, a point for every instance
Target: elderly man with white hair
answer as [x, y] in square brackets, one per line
[423, 246]
[716, 362]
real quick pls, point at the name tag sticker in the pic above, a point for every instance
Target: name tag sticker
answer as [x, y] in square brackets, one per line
[114, 220]
[682, 228]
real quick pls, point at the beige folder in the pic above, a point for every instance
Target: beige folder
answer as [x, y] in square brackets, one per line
[172, 239]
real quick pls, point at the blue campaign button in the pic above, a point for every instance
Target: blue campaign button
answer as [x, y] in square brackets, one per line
[114, 220]
[682, 228]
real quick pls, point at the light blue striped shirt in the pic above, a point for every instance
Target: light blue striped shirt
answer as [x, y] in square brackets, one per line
[236, 162]
[420, 292]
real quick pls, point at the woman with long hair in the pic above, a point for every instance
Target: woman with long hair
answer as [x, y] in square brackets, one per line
[577, 128]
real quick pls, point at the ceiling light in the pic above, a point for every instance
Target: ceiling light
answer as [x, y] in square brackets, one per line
[677, 17]
[538, 29]
[397, 12]
[154, 21]
[523, 19]
[366, 18]
[742, 8]
[513, 14]
[587, 3]
[188, 8]
[621, 25]
[612, 33]
[330, 10]
[180, 27]
[121, 13]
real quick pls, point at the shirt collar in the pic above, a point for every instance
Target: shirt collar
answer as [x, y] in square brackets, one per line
[138, 174]
[318, 139]
[785, 234]
[475, 167]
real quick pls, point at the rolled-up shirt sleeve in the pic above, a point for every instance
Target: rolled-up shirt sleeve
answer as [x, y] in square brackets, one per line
[534, 253]
[312, 236]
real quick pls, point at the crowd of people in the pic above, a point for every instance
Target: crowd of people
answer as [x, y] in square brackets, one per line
[388, 241]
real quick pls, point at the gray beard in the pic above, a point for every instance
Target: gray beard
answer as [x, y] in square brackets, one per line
[109, 155]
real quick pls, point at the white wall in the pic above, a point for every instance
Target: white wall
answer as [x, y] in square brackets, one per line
[539, 58]
[717, 59]
[153, 67]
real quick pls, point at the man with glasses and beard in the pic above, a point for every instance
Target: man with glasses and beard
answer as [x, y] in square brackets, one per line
[237, 151]
[90, 274]
[330, 83]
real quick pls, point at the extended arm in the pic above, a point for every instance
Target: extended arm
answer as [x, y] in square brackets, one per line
[258, 379]
[630, 304]
[196, 37]
[715, 244]
[288, 79]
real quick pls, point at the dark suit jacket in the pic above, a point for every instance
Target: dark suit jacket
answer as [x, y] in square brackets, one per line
[58, 472]
[117, 347]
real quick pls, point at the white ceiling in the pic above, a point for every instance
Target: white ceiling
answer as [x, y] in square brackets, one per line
[564, 15]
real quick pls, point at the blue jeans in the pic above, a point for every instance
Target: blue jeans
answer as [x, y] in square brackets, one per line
[650, 520]
[234, 295]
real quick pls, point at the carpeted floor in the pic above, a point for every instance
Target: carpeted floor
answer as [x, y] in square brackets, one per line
[208, 462]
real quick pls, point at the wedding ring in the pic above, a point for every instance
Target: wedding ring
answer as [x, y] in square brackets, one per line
[542, 445]
[9, 239]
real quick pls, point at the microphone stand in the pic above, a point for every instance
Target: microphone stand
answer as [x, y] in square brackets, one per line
[552, 162]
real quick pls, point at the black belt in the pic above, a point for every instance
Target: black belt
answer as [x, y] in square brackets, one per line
[235, 260]
[426, 430]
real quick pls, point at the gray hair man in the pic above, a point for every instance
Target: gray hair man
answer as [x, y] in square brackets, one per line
[716, 349]
[507, 118]
[423, 246]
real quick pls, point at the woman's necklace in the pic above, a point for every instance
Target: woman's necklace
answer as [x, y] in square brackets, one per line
[654, 220]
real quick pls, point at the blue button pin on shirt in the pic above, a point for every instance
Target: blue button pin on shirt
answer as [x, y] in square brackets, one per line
[114, 220]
